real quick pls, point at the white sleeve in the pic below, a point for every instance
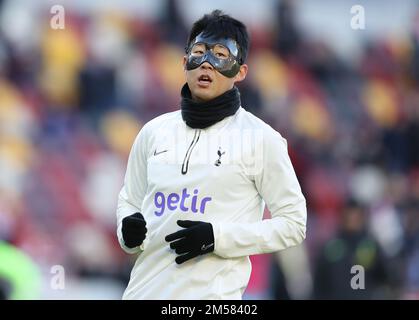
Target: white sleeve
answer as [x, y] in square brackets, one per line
[278, 186]
[135, 185]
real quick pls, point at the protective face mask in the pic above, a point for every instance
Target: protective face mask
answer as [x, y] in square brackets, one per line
[221, 53]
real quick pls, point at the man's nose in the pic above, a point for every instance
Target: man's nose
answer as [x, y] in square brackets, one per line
[206, 65]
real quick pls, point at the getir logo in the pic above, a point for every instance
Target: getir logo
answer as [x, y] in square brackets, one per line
[174, 201]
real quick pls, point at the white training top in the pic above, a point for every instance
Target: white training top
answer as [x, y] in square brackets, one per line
[223, 174]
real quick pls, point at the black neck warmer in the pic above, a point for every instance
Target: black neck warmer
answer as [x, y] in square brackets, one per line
[200, 115]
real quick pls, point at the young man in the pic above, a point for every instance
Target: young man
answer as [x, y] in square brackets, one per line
[197, 181]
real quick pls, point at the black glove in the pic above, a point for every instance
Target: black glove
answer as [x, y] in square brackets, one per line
[134, 230]
[196, 239]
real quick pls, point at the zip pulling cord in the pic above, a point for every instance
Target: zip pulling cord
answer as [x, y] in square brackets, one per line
[185, 163]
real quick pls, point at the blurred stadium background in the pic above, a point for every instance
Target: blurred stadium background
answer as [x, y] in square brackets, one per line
[72, 101]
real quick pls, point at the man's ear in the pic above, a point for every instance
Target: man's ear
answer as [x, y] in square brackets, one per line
[241, 75]
[184, 62]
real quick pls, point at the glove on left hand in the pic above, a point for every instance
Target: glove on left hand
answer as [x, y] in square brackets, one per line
[195, 240]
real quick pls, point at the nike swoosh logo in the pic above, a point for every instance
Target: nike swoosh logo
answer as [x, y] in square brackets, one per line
[206, 247]
[157, 153]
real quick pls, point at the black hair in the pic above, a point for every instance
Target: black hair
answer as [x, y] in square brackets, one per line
[220, 25]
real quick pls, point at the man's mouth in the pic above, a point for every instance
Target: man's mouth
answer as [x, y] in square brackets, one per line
[204, 80]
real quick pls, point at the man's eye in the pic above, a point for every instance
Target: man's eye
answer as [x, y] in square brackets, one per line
[220, 55]
[198, 52]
